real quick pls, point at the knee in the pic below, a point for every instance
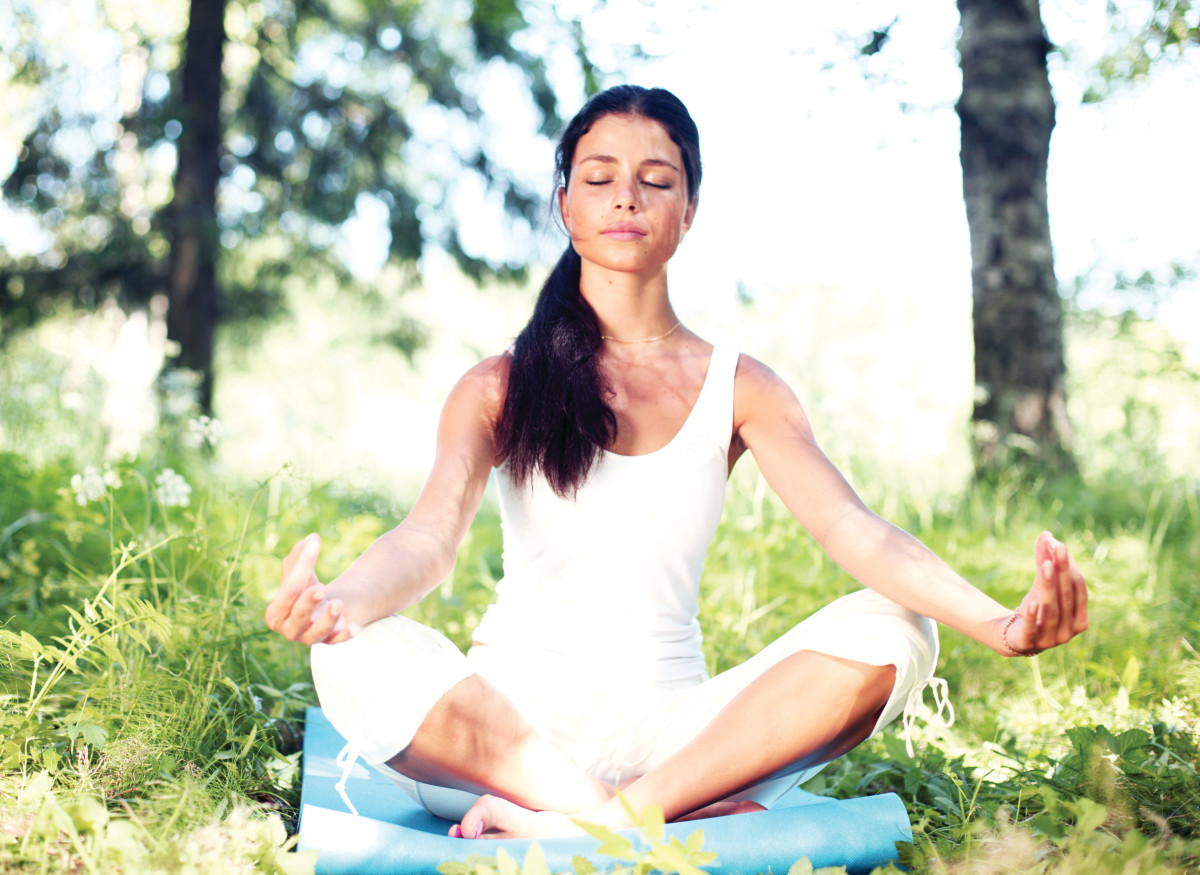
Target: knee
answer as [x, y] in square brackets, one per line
[879, 683]
[863, 681]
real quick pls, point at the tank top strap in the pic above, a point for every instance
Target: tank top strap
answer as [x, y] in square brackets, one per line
[713, 415]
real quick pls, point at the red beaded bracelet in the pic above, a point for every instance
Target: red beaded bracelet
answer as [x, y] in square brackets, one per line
[1004, 638]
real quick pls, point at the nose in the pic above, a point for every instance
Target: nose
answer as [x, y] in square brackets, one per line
[625, 196]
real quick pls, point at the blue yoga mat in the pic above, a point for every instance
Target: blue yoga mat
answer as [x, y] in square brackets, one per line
[392, 834]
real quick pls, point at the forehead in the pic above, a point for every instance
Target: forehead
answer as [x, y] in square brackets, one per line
[633, 138]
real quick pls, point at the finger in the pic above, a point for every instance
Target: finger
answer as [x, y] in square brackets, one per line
[343, 631]
[297, 576]
[1066, 596]
[1043, 547]
[301, 616]
[1046, 628]
[298, 554]
[325, 618]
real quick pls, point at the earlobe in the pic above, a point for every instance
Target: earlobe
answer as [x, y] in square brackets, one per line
[563, 209]
[689, 215]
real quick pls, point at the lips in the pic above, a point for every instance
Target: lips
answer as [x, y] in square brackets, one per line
[624, 231]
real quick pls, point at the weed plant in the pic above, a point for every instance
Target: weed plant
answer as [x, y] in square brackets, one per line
[149, 722]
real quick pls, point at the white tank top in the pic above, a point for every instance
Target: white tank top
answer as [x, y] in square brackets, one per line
[613, 575]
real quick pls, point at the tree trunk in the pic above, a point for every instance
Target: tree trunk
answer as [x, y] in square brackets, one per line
[1007, 115]
[192, 277]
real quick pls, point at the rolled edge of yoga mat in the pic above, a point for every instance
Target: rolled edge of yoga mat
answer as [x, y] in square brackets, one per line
[394, 835]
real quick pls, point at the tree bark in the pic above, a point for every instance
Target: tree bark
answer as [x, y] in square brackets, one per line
[1007, 116]
[192, 272]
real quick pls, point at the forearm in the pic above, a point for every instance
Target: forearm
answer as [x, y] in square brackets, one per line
[399, 569]
[898, 566]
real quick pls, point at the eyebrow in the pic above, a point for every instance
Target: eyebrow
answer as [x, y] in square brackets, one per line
[609, 159]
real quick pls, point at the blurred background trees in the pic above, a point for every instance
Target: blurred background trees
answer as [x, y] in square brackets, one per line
[240, 151]
[1006, 115]
[256, 147]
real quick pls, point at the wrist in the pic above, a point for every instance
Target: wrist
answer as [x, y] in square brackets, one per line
[1005, 630]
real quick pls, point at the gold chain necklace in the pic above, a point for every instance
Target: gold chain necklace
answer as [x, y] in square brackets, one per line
[644, 339]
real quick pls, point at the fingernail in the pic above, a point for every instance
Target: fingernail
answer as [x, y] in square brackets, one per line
[455, 832]
[313, 543]
[479, 829]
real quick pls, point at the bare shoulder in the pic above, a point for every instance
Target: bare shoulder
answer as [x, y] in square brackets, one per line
[763, 399]
[755, 385]
[484, 386]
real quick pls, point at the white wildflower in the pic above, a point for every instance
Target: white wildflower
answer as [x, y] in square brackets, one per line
[1174, 714]
[204, 430]
[88, 486]
[111, 478]
[172, 490]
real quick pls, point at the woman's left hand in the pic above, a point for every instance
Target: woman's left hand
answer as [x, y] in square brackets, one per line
[1054, 611]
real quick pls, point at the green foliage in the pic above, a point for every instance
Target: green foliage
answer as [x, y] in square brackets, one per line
[648, 851]
[148, 721]
[1150, 35]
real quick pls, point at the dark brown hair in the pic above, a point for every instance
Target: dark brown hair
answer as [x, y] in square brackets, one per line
[556, 419]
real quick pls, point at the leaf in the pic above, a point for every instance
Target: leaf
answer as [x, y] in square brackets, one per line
[1130, 740]
[611, 844]
[87, 814]
[506, 864]
[652, 822]
[37, 788]
[25, 643]
[582, 866]
[1129, 677]
[1091, 814]
[90, 733]
[535, 861]
[294, 862]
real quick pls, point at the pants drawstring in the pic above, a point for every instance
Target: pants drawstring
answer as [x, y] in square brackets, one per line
[346, 758]
[941, 698]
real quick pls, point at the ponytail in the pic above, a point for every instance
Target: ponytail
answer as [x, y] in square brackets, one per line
[556, 420]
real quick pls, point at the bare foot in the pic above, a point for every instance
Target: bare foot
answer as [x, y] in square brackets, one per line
[722, 808]
[495, 818]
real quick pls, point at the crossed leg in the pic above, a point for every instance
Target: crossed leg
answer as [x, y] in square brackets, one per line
[807, 709]
[475, 739]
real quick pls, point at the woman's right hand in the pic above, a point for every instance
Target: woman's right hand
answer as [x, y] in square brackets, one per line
[302, 609]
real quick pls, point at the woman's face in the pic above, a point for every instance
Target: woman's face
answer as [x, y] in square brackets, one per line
[626, 203]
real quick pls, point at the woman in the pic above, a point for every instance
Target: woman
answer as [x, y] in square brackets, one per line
[613, 429]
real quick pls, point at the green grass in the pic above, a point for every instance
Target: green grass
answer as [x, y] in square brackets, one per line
[149, 722]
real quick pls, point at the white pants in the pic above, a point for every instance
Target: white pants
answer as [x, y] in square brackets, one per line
[377, 688]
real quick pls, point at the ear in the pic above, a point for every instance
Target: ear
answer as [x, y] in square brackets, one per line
[689, 215]
[563, 209]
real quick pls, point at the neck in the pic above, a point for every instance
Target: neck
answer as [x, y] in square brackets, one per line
[630, 307]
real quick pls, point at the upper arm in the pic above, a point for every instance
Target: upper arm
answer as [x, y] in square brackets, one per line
[466, 453]
[770, 422]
